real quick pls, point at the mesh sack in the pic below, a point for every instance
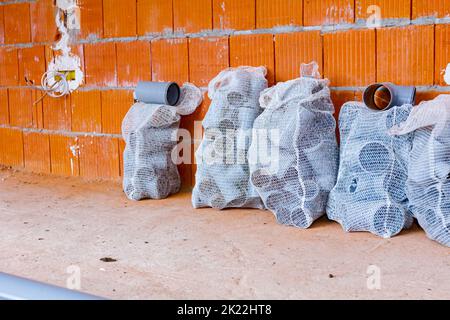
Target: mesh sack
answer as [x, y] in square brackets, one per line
[370, 192]
[222, 178]
[294, 155]
[150, 132]
[428, 183]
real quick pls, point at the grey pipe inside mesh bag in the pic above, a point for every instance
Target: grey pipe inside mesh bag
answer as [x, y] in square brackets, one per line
[428, 183]
[370, 193]
[294, 154]
[222, 178]
[150, 133]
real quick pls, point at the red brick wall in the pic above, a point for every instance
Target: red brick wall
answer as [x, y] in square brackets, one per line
[124, 41]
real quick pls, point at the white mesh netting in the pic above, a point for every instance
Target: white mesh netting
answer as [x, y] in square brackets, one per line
[190, 98]
[428, 183]
[150, 132]
[294, 155]
[222, 178]
[370, 193]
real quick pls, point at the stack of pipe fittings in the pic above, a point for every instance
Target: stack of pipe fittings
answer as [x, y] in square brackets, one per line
[370, 193]
[294, 154]
[428, 183]
[150, 131]
[222, 178]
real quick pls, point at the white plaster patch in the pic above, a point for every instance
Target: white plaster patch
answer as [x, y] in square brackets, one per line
[447, 74]
[74, 149]
[55, 81]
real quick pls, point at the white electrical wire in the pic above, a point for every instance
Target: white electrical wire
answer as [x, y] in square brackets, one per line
[55, 84]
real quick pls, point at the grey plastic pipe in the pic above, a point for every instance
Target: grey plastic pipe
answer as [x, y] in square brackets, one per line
[398, 95]
[17, 288]
[167, 93]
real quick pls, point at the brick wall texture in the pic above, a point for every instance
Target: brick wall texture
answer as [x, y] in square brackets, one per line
[124, 41]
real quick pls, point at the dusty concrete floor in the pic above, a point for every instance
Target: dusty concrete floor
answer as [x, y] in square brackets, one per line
[165, 249]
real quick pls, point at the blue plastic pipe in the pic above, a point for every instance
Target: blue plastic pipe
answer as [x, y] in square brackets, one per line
[17, 288]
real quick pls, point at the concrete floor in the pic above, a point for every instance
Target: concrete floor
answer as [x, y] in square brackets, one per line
[165, 249]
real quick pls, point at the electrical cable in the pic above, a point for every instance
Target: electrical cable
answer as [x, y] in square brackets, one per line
[55, 84]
